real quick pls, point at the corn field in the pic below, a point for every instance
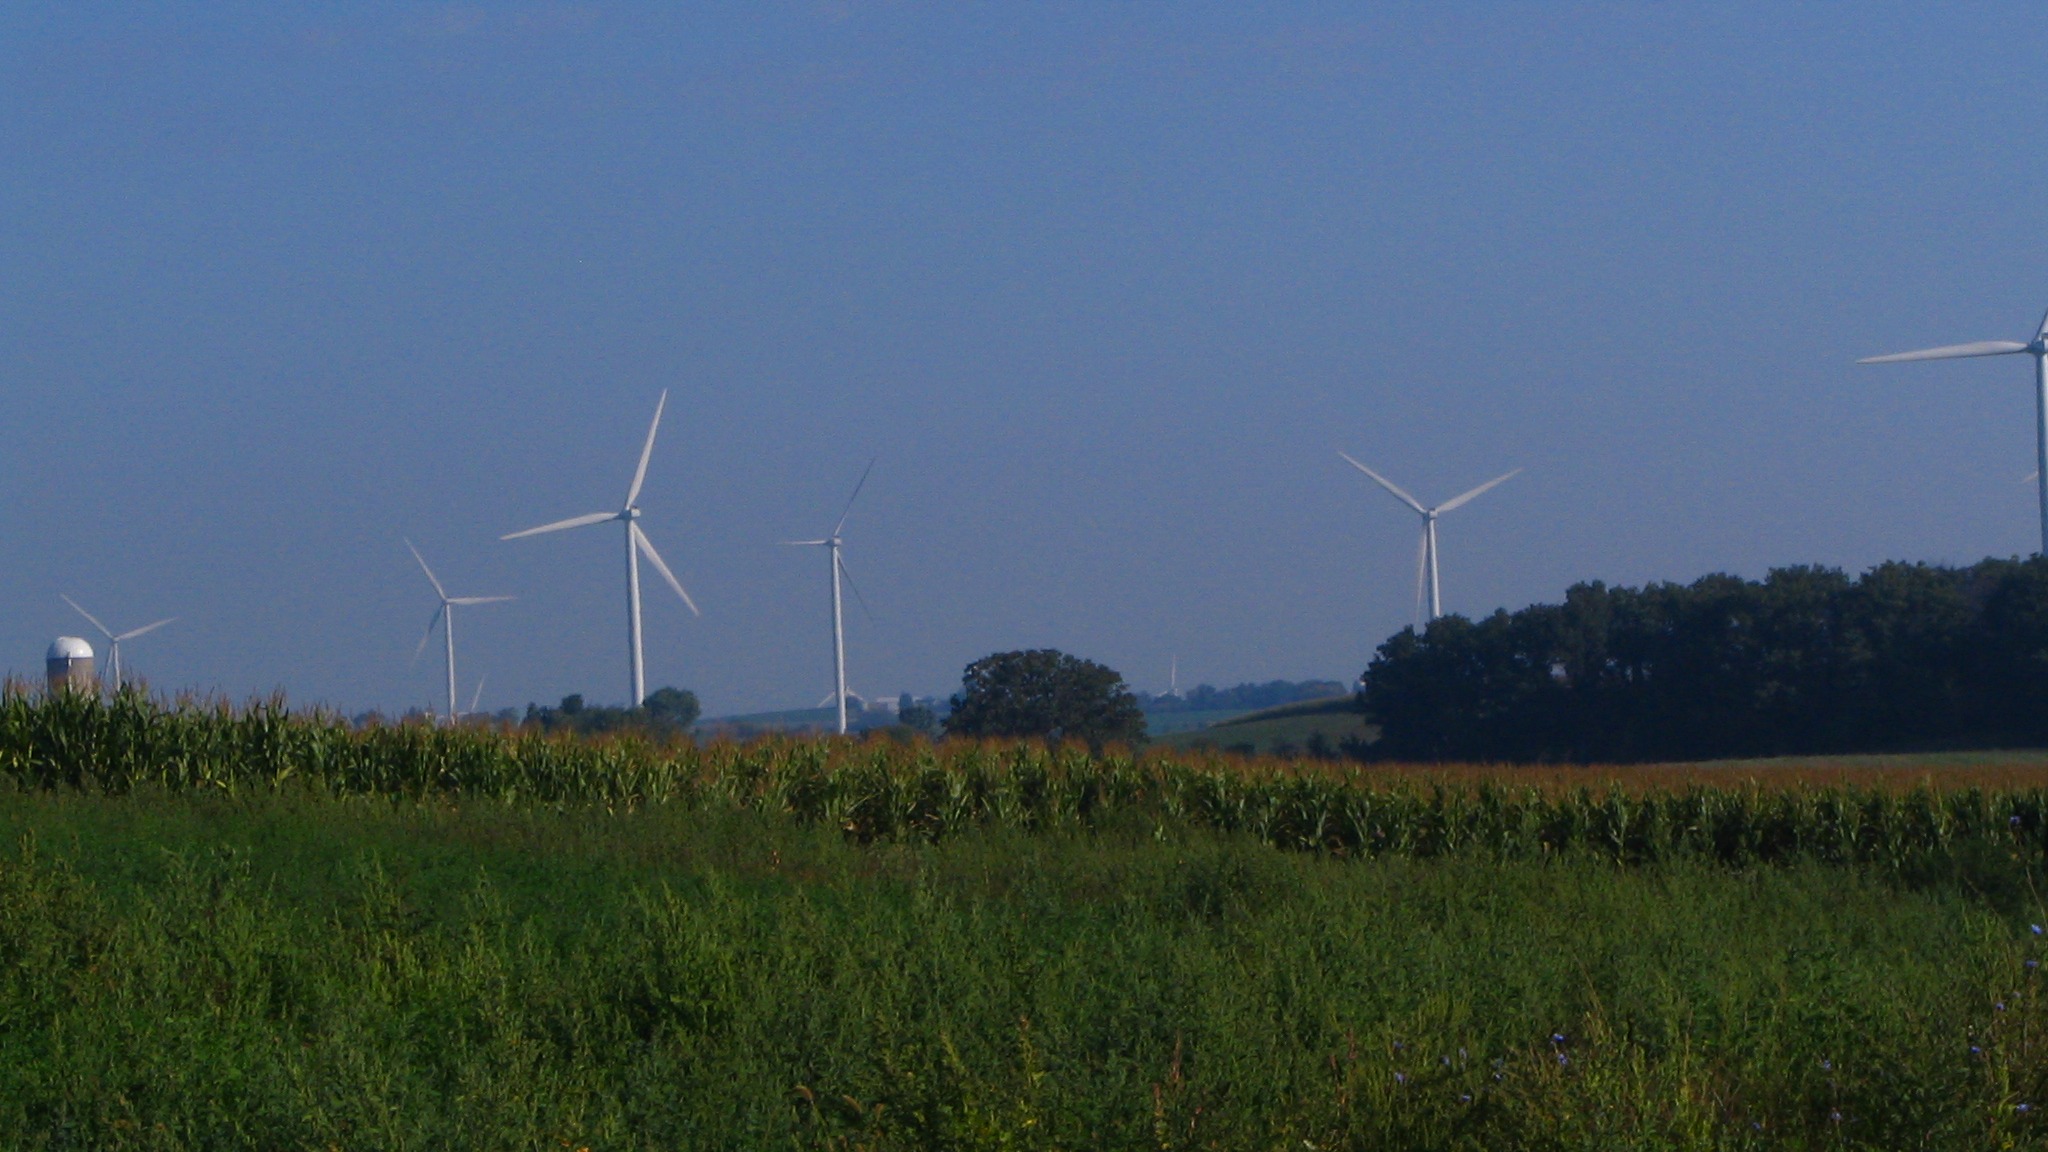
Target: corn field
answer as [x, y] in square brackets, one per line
[885, 791]
[245, 927]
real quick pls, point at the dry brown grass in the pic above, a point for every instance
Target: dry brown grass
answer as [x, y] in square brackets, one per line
[1997, 771]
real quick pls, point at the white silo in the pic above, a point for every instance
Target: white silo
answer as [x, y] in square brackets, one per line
[69, 666]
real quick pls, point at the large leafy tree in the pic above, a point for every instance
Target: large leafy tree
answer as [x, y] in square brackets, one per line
[672, 708]
[1047, 694]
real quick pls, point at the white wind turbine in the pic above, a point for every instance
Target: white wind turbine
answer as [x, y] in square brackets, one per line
[114, 641]
[445, 617]
[2038, 349]
[831, 544]
[636, 545]
[1426, 579]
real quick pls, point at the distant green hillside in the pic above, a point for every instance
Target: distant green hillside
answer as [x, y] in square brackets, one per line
[1325, 706]
[1159, 724]
[1280, 730]
[790, 720]
[1287, 730]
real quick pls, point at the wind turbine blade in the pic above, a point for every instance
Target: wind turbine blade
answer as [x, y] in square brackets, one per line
[1950, 352]
[480, 599]
[89, 616]
[557, 526]
[1467, 498]
[646, 451]
[805, 543]
[1389, 485]
[431, 579]
[848, 510]
[855, 589]
[144, 630]
[647, 549]
[429, 633]
[477, 695]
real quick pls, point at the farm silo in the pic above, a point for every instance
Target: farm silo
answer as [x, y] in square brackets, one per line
[69, 665]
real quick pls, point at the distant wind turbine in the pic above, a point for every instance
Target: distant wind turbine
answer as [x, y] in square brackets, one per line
[1426, 577]
[2038, 349]
[637, 545]
[445, 617]
[114, 641]
[831, 544]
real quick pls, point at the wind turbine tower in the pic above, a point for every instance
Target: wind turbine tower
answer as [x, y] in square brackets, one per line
[2038, 349]
[831, 544]
[445, 617]
[637, 545]
[114, 641]
[1427, 581]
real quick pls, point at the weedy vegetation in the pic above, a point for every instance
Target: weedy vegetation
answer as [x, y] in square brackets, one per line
[248, 928]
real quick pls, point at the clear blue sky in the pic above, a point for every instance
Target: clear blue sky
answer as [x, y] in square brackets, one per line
[1105, 286]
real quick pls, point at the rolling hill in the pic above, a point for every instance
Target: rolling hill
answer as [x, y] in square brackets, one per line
[1285, 730]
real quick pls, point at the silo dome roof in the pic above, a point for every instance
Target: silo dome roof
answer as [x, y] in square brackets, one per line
[70, 648]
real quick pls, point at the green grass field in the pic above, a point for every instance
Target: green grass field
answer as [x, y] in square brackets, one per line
[192, 972]
[229, 931]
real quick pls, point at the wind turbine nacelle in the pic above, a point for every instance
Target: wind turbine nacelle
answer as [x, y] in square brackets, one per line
[69, 666]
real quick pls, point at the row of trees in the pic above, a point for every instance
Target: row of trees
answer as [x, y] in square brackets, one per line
[1032, 694]
[665, 712]
[1807, 660]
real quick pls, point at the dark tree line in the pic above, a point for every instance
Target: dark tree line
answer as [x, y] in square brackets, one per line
[1807, 660]
[666, 712]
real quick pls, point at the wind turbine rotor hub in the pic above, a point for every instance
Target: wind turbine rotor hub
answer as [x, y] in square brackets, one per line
[631, 513]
